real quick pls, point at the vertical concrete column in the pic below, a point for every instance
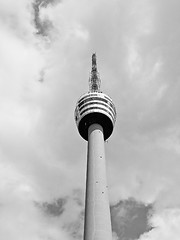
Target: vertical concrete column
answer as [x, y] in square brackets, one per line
[97, 211]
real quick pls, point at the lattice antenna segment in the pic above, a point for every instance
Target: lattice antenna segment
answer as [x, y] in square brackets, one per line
[94, 80]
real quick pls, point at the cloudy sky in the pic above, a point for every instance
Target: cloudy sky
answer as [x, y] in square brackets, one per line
[45, 60]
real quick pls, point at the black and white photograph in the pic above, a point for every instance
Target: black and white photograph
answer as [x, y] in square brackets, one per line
[89, 120]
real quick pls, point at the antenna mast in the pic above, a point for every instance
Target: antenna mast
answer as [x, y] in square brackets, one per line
[94, 80]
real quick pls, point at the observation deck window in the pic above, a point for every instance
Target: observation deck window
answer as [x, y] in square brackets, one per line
[96, 98]
[95, 102]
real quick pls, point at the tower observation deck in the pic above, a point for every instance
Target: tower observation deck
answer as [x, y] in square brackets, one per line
[95, 116]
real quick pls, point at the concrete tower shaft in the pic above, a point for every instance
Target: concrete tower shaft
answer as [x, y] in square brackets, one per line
[97, 224]
[95, 116]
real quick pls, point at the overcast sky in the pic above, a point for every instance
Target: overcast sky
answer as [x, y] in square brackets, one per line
[45, 60]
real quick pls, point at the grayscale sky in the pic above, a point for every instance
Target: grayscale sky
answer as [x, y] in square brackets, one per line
[45, 60]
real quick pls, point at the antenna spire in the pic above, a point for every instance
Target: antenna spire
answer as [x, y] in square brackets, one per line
[94, 80]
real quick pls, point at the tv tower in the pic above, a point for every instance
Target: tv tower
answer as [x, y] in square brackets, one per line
[95, 116]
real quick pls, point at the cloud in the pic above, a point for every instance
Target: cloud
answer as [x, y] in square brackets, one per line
[42, 76]
[130, 219]
[166, 225]
[19, 217]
